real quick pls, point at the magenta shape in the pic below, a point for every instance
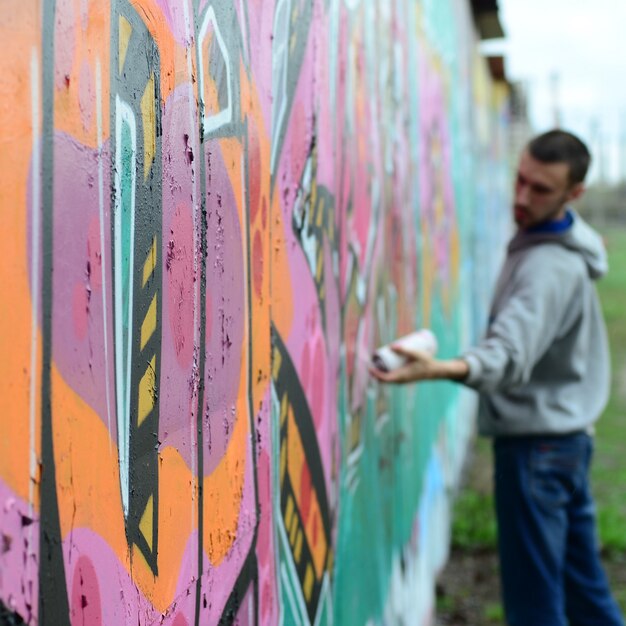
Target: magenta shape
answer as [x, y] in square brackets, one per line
[180, 620]
[254, 169]
[86, 607]
[109, 591]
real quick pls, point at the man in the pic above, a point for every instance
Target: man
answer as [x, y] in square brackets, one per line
[542, 371]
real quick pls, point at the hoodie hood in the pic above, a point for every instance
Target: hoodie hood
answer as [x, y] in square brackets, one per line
[579, 237]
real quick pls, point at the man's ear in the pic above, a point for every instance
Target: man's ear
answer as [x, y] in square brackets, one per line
[575, 192]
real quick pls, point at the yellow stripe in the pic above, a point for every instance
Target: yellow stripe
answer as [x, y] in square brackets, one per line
[149, 323]
[283, 460]
[320, 214]
[125, 31]
[277, 362]
[320, 259]
[149, 126]
[283, 409]
[145, 525]
[297, 551]
[288, 511]
[150, 262]
[294, 529]
[146, 392]
[308, 582]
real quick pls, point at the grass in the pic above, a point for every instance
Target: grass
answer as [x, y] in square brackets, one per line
[609, 466]
[473, 520]
[474, 526]
[494, 613]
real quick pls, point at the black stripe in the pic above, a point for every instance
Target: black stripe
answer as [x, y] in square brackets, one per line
[251, 409]
[53, 601]
[247, 576]
[201, 356]
[288, 383]
[142, 61]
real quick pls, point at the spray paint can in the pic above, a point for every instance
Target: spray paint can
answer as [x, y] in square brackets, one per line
[386, 360]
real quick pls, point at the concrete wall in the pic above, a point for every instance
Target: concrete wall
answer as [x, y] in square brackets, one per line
[211, 213]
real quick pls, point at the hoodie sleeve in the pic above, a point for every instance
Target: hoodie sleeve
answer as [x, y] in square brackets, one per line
[527, 323]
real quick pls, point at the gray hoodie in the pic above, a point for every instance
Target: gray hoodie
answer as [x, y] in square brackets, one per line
[543, 366]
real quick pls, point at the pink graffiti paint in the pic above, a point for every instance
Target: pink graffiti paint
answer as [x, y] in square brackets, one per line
[179, 273]
[85, 607]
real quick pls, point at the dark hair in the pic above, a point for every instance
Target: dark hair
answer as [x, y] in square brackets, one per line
[559, 146]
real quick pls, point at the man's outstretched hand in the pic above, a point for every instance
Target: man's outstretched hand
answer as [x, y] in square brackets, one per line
[421, 366]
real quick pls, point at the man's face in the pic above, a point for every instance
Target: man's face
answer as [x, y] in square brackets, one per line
[541, 191]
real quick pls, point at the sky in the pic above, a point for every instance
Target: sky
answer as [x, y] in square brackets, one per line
[571, 56]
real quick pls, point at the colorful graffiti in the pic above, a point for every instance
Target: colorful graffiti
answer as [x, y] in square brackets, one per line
[213, 212]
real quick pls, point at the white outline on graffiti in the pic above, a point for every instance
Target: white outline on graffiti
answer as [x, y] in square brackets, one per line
[302, 216]
[280, 64]
[124, 114]
[212, 122]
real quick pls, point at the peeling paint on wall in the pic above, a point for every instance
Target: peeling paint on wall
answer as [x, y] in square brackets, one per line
[213, 212]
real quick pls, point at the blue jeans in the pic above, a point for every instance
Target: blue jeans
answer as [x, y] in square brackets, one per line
[550, 567]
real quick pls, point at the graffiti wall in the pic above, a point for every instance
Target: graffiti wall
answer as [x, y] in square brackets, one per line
[212, 212]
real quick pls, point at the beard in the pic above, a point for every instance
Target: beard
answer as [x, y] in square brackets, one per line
[525, 217]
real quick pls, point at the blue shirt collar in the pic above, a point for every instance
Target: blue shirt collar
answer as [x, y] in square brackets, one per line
[555, 226]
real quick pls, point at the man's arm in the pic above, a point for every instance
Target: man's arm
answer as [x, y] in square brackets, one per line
[421, 366]
[546, 286]
[523, 330]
